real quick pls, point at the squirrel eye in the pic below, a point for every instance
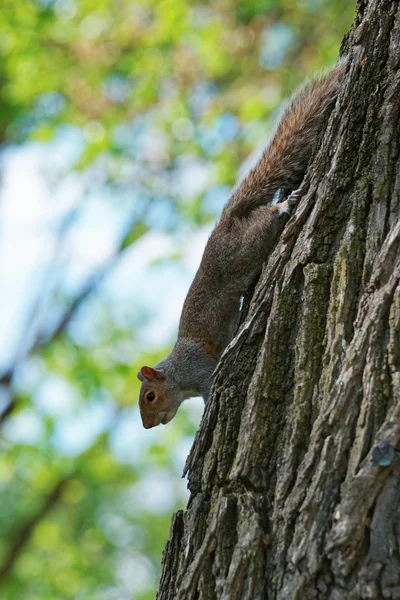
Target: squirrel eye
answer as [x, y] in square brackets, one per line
[150, 396]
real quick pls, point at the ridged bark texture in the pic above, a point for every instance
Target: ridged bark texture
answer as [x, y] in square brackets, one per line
[286, 501]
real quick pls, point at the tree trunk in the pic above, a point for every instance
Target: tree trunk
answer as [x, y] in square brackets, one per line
[286, 499]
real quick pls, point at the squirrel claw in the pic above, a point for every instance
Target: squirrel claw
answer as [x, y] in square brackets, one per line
[285, 208]
[294, 198]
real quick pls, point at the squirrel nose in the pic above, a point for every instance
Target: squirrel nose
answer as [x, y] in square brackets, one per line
[154, 420]
[150, 422]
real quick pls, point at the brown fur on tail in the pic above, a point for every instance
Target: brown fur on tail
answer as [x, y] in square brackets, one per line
[284, 162]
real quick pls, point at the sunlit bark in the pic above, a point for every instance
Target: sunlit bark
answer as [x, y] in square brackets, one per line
[286, 501]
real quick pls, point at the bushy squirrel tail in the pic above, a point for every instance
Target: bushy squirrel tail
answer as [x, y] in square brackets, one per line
[284, 162]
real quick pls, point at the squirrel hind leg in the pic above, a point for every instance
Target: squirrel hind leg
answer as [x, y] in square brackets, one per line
[262, 228]
[284, 208]
[263, 224]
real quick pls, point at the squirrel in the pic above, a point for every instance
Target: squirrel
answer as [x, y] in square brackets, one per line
[234, 255]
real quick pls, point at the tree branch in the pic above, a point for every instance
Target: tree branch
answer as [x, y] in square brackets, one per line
[41, 341]
[22, 537]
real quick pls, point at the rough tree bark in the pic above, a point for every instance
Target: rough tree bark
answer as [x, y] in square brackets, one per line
[286, 501]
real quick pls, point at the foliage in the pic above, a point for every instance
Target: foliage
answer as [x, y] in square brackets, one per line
[163, 101]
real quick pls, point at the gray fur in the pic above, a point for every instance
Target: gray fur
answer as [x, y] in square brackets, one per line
[235, 253]
[179, 367]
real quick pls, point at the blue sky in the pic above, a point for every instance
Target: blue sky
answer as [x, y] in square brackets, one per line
[33, 204]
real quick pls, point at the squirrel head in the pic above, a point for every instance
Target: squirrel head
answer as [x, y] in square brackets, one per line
[159, 400]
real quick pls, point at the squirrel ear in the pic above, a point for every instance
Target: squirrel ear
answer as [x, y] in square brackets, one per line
[149, 373]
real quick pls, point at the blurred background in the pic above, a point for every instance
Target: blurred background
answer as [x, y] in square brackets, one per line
[123, 126]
